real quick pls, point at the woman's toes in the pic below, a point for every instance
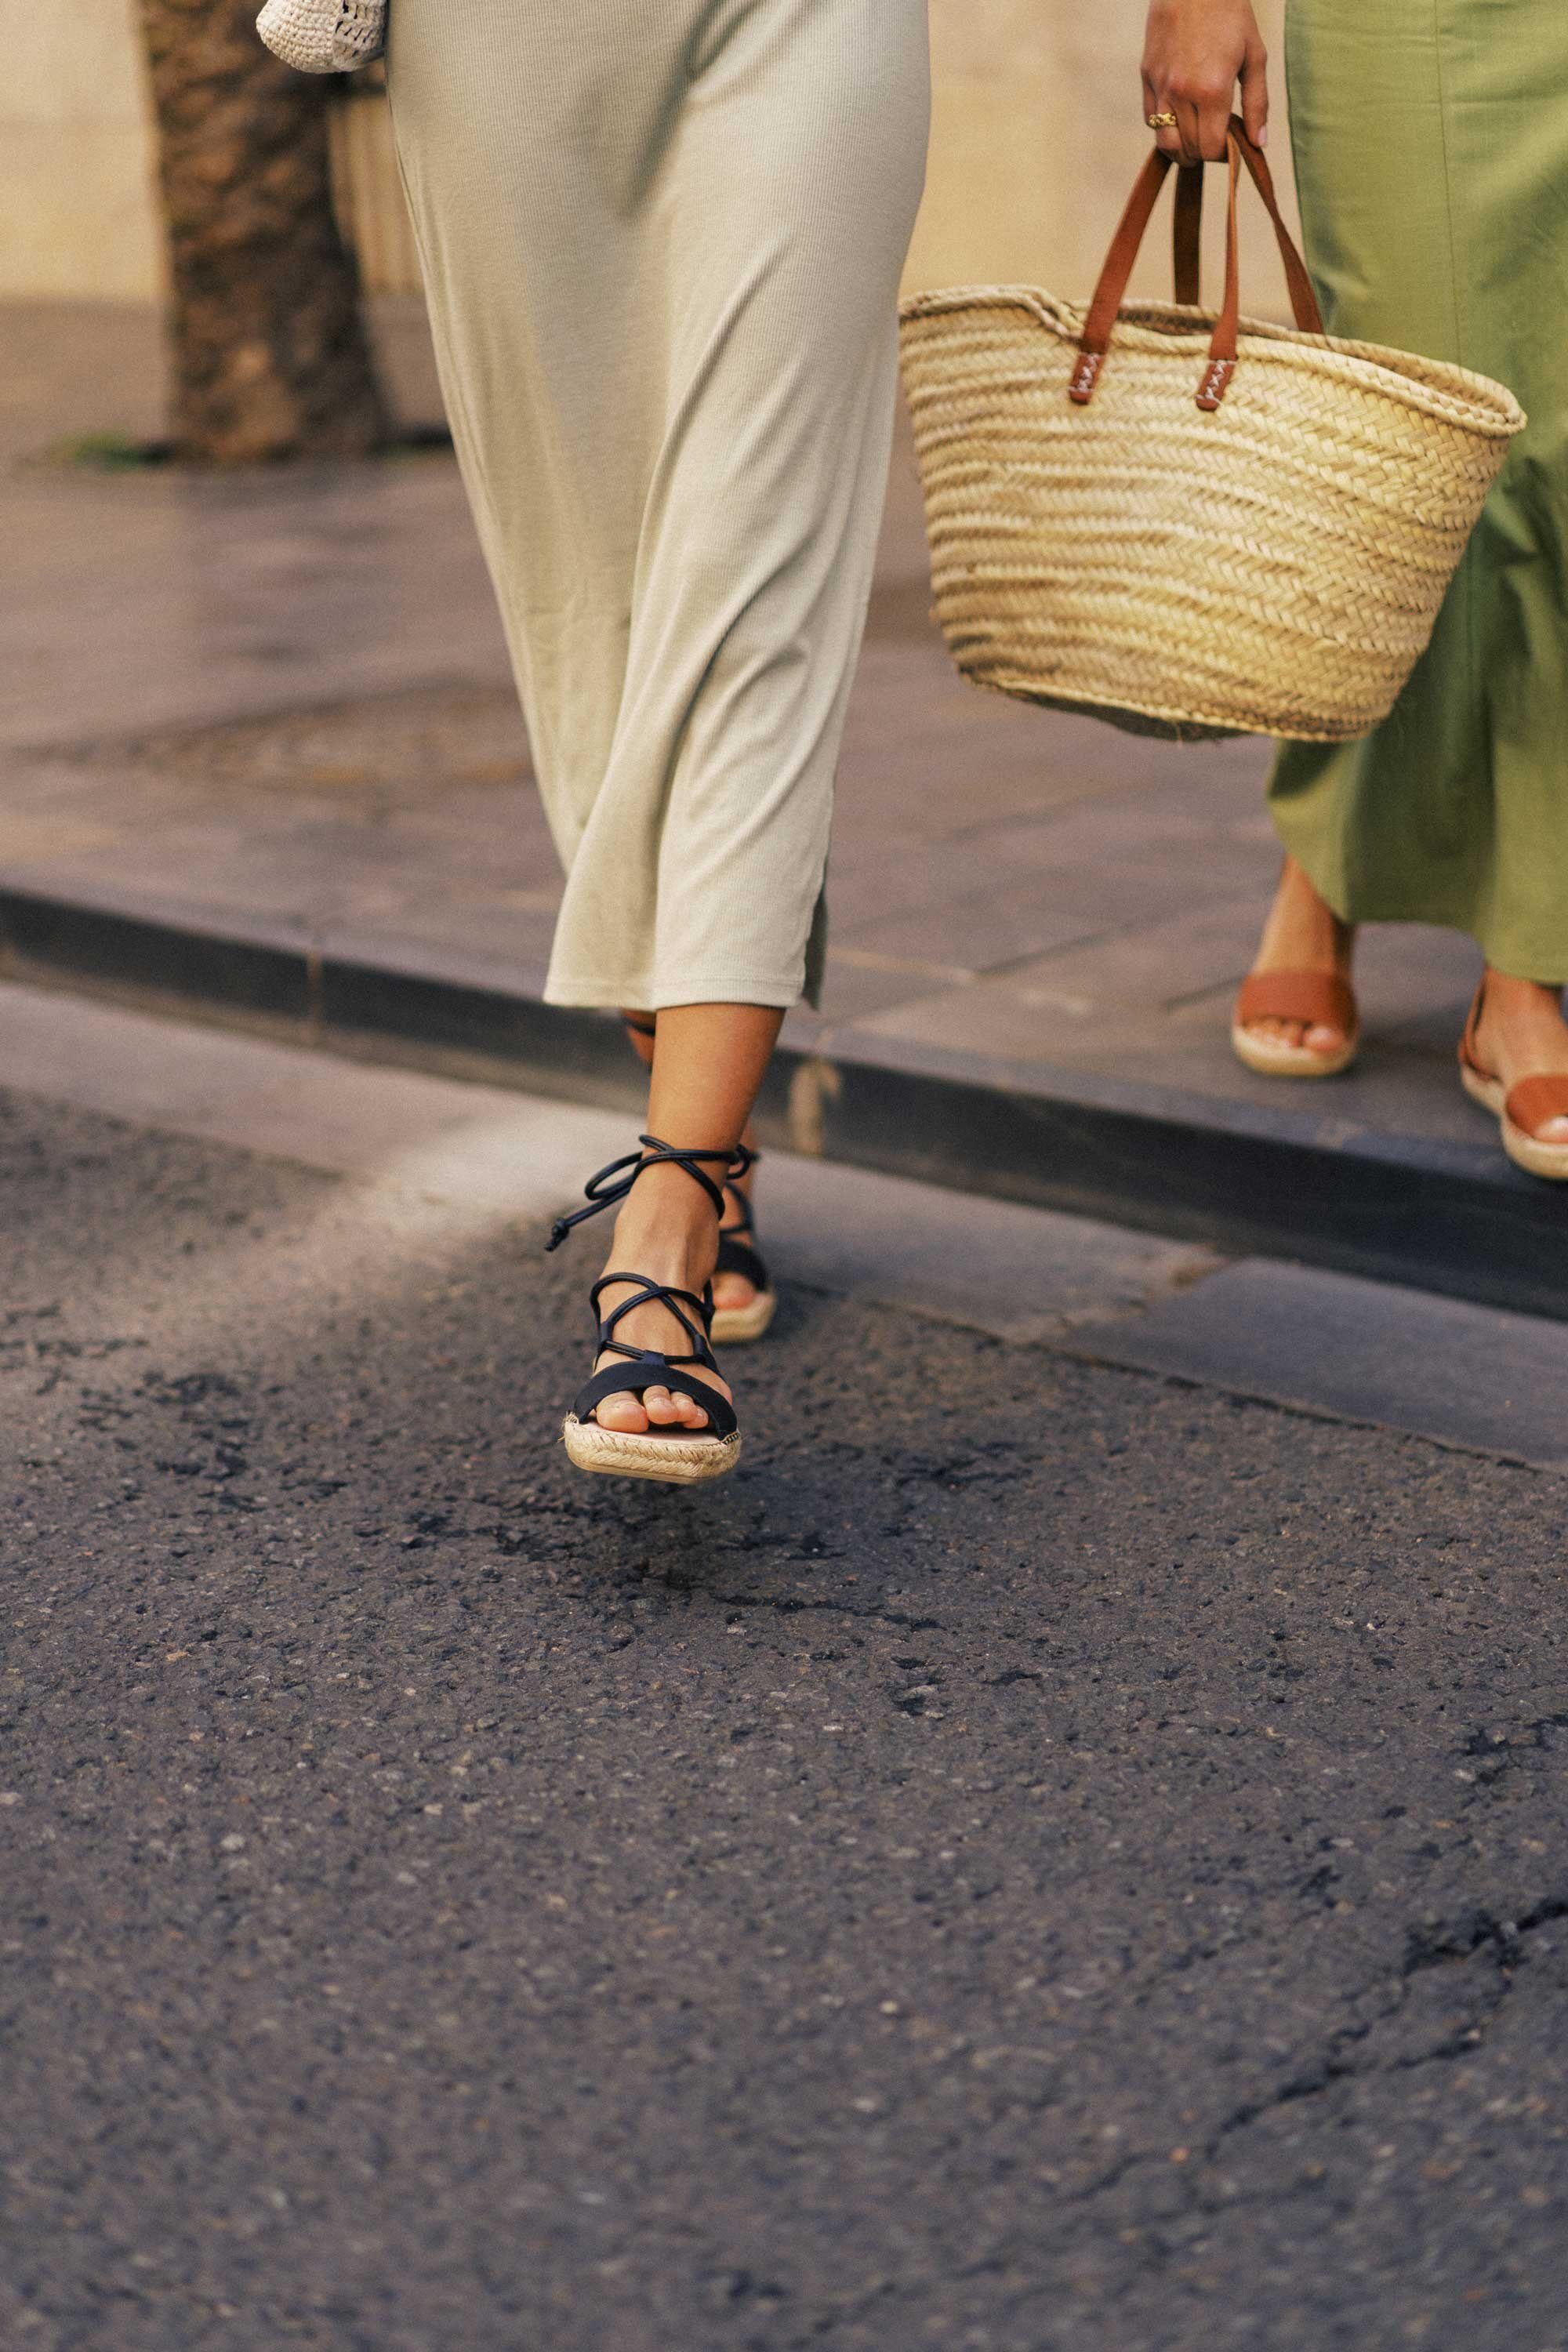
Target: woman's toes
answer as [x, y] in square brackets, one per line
[622, 1414]
[631, 1416]
[732, 1292]
[674, 1411]
[1554, 1132]
[1322, 1040]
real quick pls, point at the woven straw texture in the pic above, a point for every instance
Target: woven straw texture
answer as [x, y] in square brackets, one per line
[324, 36]
[1274, 567]
[672, 1461]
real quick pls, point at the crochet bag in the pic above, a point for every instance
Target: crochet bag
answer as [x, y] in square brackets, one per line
[324, 36]
[1187, 524]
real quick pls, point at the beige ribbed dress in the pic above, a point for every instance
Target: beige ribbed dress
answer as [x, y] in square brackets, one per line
[661, 242]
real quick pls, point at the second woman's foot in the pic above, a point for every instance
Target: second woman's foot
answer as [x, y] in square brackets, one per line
[1296, 1014]
[1516, 1049]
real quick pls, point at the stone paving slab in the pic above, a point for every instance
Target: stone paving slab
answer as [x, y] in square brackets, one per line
[277, 709]
[1462, 1375]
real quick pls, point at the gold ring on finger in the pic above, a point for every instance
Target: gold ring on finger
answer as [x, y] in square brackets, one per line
[1161, 122]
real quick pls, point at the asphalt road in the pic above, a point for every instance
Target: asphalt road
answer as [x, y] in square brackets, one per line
[1045, 1857]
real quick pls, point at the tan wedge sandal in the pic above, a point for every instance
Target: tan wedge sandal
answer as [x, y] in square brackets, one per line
[683, 1457]
[1314, 998]
[1520, 1109]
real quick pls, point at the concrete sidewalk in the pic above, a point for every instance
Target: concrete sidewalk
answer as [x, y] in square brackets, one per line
[258, 747]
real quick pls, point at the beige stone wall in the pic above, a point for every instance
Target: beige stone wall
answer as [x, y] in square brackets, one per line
[1036, 135]
[77, 213]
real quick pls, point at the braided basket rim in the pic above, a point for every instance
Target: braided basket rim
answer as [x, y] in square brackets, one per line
[1436, 388]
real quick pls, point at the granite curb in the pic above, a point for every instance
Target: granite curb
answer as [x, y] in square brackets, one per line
[1288, 1183]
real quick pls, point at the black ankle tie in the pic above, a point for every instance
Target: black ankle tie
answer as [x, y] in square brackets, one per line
[610, 1185]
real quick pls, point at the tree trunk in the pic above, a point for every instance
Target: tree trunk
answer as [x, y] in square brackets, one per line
[270, 353]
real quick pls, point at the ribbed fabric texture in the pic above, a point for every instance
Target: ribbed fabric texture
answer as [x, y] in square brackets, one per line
[662, 241]
[1431, 142]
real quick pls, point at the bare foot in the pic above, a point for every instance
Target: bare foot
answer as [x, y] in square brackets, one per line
[1302, 933]
[1521, 1035]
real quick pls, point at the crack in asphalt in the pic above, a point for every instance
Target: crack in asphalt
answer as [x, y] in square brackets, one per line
[1474, 1933]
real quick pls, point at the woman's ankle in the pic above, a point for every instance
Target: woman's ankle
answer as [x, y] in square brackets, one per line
[1521, 1020]
[667, 1238]
[1301, 930]
[1535, 995]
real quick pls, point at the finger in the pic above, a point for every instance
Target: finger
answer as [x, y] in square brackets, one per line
[1189, 129]
[1254, 93]
[1156, 102]
[1213, 123]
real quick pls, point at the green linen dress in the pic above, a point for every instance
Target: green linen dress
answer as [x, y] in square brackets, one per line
[1431, 141]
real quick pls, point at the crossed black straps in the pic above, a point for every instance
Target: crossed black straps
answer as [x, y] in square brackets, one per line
[660, 1370]
[604, 1190]
[656, 1369]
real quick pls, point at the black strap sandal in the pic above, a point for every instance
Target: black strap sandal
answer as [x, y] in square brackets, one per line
[737, 1253]
[680, 1457]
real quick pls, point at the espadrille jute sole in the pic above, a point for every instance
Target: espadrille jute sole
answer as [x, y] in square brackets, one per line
[1548, 1159]
[1275, 1057]
[733, 1326]
[673, 1461]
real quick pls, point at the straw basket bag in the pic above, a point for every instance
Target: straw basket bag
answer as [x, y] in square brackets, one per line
[1190, 525]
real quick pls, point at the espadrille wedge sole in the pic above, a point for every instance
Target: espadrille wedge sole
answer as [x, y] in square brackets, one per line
[675, 1461]
[736, 1326]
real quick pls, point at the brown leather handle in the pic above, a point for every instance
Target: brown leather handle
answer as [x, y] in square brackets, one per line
[1098, 325]
[1186, 235]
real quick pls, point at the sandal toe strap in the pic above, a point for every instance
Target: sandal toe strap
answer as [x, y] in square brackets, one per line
[1534, 1101]
[1316, 998]
[654, 1371]
[736, 1255]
